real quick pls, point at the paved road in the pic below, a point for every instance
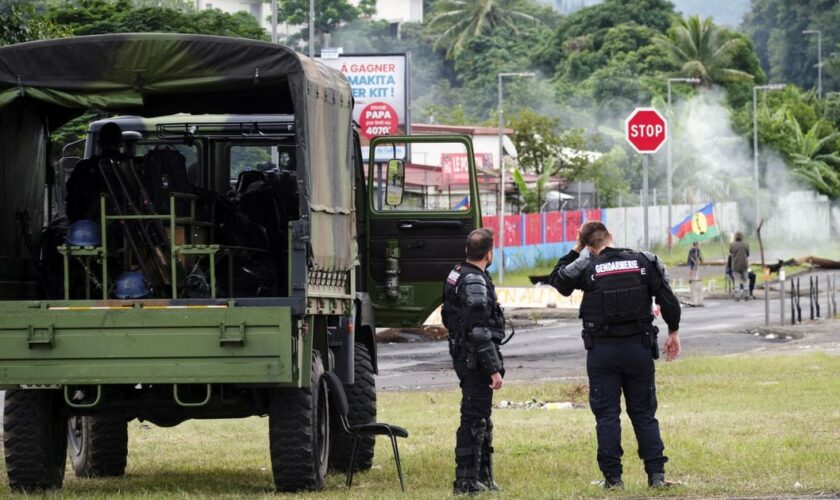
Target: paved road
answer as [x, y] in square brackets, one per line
[556, 352]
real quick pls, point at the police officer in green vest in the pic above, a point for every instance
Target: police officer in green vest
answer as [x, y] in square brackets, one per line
[618, 332]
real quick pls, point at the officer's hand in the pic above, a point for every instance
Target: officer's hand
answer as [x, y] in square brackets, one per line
[496, 381]
[672, 346]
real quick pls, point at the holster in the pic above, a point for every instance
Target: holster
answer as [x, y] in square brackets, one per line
[651, 340]
[587, 339]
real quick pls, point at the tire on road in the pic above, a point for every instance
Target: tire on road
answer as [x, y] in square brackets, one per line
[299, 433]
[361, 397]
[34, 439]
[98, 446]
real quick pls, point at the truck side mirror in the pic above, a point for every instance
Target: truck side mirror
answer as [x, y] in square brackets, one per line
[65, 168]
[395, 183]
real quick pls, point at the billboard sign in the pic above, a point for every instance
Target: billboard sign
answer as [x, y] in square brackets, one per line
[455, 167]
[380, 91]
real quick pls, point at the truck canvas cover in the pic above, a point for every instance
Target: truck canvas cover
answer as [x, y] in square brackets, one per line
[45, 84]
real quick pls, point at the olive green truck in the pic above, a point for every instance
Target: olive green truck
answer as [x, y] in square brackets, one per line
[228, 250]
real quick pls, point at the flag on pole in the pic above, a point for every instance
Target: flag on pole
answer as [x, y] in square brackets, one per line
[464, 204]
[698, 226]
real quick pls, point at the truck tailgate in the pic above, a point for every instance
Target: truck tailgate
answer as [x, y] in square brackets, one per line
[115, 345]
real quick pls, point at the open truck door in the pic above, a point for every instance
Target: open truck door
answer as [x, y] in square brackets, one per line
[422, 202]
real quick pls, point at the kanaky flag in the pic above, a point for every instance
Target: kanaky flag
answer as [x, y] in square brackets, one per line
[698, 226]
[464, 204]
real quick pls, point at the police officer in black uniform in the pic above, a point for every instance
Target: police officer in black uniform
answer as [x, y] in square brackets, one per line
[620, 338]
[475, 322]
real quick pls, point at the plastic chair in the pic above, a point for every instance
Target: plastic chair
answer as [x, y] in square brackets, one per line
[339, 399]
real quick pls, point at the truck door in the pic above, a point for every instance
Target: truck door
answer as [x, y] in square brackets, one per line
[423, 201]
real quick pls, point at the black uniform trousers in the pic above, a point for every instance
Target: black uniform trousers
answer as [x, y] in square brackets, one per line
[624, 366]
[476, 404]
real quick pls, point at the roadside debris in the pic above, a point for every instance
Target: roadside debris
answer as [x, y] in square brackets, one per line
[535, 404]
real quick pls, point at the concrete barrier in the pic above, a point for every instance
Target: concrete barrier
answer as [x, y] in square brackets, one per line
[531, 297]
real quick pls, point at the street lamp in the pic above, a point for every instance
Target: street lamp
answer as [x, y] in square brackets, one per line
[819, 58]
[669, 174]
[311, 28]
[502, 171]
[772, 86]
[273, 21]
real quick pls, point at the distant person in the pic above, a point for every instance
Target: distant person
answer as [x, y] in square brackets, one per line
[85, 183]
[472, 314]
[618, 332]
[739, 251]
[695, 258]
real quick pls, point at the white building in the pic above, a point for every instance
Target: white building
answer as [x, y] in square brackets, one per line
[398, 11]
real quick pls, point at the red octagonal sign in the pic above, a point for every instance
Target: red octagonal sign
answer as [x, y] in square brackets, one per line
[646, 130]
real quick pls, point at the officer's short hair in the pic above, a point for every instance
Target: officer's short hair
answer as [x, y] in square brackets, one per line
[479, 243]
[594, 233]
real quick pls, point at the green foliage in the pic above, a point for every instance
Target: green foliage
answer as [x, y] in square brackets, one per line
[702, 50]
[532, 198]
[457, 22]
[536, 140]
[776, 26]
[329, 15]
[21, 21]
[91, 17]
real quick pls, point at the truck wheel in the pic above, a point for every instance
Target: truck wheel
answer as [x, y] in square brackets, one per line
[35, 440]
[97, 446]
[299, 432]
[361, 397]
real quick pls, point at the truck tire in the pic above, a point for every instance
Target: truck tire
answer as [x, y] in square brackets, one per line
[98, 446]
[34, 439]
[299, 433]
[361, 397]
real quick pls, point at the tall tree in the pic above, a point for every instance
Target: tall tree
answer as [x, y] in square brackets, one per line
[21, 21]
[457, 22]
[813, 159]
[704, 50]
[787, 54]
[329, 15]
[91, 17]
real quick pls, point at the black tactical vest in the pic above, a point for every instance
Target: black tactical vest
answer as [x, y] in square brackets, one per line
[452, 312]
[616, 301]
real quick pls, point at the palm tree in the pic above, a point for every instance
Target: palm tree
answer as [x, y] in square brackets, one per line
[457, 22]
[703, 50]
[811, 162]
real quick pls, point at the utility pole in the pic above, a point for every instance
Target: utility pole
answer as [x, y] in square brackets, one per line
[819, 58]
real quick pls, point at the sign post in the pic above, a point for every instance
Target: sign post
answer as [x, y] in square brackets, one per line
[646, 130]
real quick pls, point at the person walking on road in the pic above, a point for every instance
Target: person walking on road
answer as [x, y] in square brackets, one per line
[739, 252]
[472, 315]
[618, 333]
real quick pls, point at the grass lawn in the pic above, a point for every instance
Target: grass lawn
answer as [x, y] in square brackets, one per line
[735, 425]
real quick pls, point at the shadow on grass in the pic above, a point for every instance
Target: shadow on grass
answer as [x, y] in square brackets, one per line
[204, 482]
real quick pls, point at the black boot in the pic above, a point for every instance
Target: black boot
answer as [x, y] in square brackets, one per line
[657, 480]
[613, 482]
[468, 461]
[485, 471]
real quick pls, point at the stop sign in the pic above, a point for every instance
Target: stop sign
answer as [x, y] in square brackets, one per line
[646, 130]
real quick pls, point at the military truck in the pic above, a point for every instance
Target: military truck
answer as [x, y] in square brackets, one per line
[233, 249]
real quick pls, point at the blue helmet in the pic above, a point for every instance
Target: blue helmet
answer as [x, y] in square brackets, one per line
[131, 285]
[84, 233]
